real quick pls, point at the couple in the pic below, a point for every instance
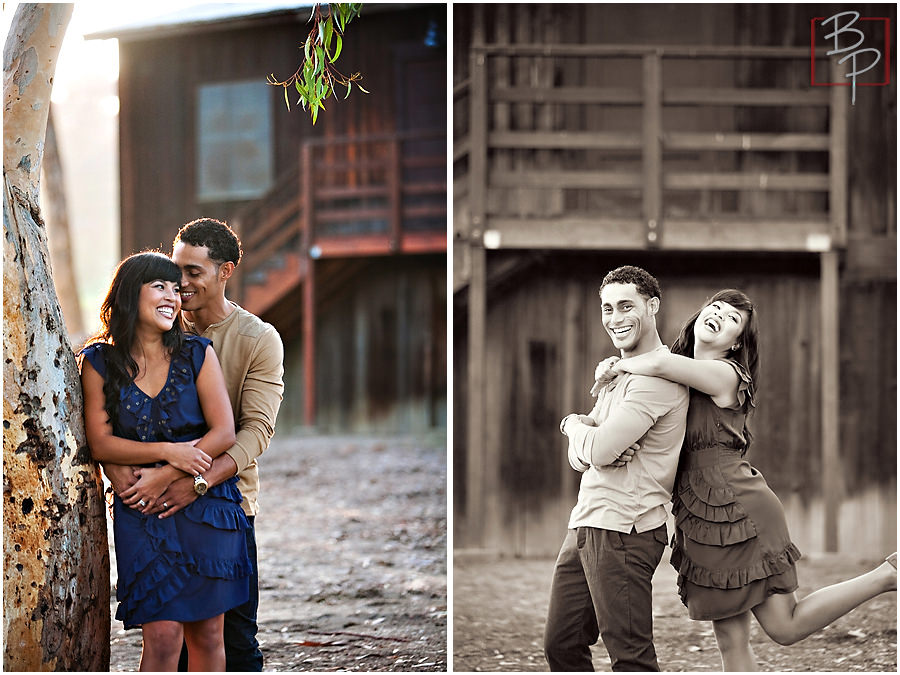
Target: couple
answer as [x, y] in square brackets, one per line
[731, 548]
[177, 412]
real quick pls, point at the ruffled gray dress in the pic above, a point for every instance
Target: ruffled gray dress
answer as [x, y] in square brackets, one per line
[731, 547]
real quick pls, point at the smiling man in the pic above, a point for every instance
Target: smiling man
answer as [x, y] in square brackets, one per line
[252, 355]
[617, 530]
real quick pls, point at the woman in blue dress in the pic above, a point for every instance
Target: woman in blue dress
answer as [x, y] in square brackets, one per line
[156, 397]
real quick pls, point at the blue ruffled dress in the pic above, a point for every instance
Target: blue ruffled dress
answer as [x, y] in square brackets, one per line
[193, 565]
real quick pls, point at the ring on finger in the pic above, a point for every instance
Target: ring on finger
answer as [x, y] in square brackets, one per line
[142, 502]
[165, 505]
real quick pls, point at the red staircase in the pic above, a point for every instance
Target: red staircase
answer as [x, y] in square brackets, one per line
[351, 197]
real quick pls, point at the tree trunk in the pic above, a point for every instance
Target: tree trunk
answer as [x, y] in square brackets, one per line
[56, 215]
[55, 552]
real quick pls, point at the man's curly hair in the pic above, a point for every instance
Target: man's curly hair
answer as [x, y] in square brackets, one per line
[222, 242]
[646, 283]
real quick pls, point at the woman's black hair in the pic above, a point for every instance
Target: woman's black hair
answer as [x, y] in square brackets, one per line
[747, 352]
[118, 316]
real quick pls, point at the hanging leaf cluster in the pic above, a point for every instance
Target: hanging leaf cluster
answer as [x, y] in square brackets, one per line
[317, 78]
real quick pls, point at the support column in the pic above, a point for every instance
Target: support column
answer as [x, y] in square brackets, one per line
[475, 441]
[652, 151]
[832, 488]
[309, 286]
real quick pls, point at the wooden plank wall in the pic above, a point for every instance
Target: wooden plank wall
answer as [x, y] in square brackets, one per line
[550, 306]
[381, 357]
[157, 90]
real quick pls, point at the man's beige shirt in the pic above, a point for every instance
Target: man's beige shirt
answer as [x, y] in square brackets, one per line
[252, 358]
[650, 410]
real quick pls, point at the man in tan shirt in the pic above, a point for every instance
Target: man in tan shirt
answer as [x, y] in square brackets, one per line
[617, 530]
[251, 354]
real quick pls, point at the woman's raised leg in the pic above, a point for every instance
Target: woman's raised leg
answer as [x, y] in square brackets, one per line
[787, 620]
[206, 644]
[733, 638]
[162, 645]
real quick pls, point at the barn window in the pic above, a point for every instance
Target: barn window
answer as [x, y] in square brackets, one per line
[234, 139]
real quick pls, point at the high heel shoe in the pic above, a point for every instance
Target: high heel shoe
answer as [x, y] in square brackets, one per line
[892, 558]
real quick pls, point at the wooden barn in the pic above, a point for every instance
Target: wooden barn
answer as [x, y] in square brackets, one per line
[690, 140]
[343, 223]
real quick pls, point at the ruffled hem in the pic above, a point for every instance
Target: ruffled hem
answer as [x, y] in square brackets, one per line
[149, 593]
[709, 514]
[713, 534]
[726, 513]
[161, 569]
[702, 482]
[768, 566]
[217, 568]
[219, 514]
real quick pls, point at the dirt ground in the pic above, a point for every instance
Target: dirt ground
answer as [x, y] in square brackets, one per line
[352, 539]
[499, 608]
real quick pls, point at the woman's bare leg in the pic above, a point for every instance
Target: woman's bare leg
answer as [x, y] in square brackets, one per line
[733, 639]
[787, 620]
[206, 644]
[162, 645]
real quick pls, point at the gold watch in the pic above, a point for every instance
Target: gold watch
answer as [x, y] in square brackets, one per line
[200, 485]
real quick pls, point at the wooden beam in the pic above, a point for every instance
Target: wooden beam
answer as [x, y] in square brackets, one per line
[832, 488]
[477, 306]
[309, 290]
[583, 233]
[749, 180]
[837, 189]
[602, 180]
[687, 140]
[725, 234]
[672, 51]
[652, 152]
[566, 140]
[745, 96]
[309, 344]
[607, 95]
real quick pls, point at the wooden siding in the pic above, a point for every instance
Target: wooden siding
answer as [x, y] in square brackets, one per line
[544, 337]
[158, 84]
[381, 359]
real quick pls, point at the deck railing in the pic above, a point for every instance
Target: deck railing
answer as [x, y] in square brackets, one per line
[365, 195]
[623, 147]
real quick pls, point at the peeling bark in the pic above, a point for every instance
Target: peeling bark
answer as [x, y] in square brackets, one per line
[55, 552]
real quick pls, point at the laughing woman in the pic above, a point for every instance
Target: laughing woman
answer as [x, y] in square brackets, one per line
[732, 548]
[155, 397]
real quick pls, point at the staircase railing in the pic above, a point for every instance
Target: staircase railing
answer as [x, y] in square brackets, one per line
[352, 195]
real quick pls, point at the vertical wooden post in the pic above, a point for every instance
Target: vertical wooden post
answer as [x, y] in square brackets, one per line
[573, 349]
[837, 161]
[652, 153]
[832, 490]
[475, 441]
[395, 194]
[309, 286]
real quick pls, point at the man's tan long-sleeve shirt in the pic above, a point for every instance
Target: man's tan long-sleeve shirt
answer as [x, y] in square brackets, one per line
[252, 358]
[637, 408]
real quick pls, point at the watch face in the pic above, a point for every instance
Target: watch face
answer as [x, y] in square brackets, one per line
[200, 485]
